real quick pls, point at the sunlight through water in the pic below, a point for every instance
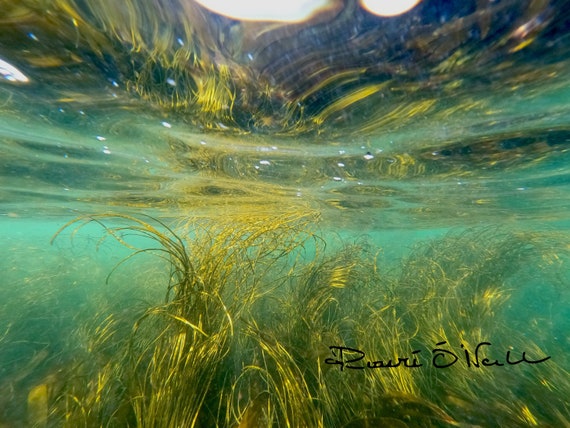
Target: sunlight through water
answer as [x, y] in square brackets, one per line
[334, 213]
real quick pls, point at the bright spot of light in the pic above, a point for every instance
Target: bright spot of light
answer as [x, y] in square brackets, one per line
[264, 10]
[11, 73]
[388, 7]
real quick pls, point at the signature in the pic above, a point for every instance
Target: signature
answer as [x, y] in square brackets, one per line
[352, 358]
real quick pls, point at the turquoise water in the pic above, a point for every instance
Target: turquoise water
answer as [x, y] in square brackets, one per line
[435, 209]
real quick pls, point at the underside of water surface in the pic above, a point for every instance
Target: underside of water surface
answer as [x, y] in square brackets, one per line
[349, 220]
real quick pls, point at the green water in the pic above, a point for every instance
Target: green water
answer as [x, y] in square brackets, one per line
[437, 209]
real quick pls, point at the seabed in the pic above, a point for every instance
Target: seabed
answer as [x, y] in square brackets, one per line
[260, 321]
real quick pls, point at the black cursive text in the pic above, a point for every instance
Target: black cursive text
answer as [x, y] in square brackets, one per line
[355, 359]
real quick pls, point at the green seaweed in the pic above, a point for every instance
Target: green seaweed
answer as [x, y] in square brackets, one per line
[242, 337]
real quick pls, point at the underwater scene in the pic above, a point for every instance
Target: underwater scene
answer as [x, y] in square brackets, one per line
[320, 213]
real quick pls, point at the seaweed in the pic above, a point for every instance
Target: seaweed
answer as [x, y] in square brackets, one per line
[257, 314]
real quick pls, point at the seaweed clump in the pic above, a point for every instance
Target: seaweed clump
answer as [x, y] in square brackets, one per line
[258, 311]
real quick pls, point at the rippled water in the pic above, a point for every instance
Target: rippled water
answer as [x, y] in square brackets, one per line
[501, 165]
[447, 134]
